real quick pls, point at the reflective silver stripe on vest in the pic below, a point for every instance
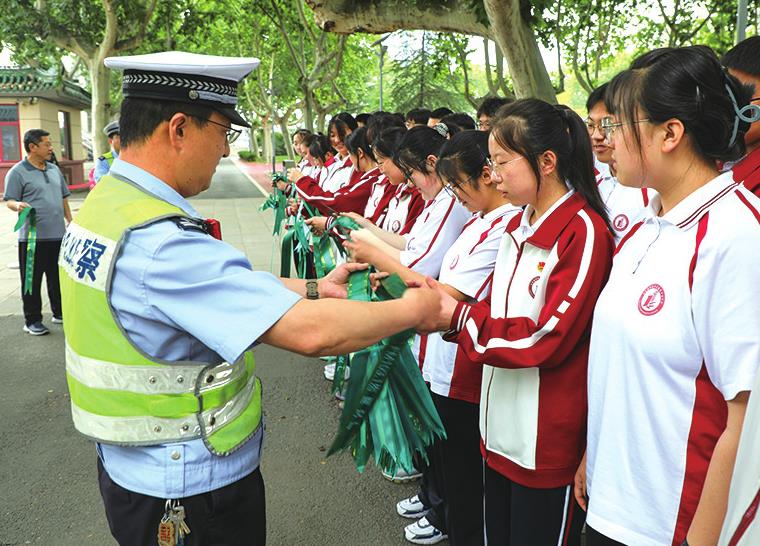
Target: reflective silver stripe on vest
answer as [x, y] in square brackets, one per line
[154, 430]
[99, 374]
[166, 379]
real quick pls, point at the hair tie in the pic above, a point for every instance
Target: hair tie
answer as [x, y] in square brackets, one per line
[749, 114]
[442, 129]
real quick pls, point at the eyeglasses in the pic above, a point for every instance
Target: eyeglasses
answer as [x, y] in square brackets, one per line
[496, 167]
[609, 127]
[591, 126]
[231, 134]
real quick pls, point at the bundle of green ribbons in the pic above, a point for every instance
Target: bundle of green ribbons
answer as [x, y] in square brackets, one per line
[31, 244]
[388, 412]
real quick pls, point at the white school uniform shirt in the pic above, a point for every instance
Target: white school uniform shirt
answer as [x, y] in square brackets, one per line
[625, 206]
[378, 190]
[399, 208]
[742, 526]
[467, 266]
[674, 335]
[338, 174]
[435, 230]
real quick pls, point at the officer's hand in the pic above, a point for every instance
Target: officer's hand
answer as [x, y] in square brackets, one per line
[425, 302]
[21, 205]
[317, 224]
[282, 185]
[294, 174]
[334, 285]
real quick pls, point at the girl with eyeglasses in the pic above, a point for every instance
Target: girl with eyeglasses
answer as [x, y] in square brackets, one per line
[531, 334]
[466, 272]
[674, 344]
[624, 205]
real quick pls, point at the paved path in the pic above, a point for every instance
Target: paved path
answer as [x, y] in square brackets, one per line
[48, 487]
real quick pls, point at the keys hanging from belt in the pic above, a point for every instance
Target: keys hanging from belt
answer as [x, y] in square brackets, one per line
[172, 528]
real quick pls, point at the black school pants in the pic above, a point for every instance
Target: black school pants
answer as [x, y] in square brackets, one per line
[460, 470]
[233, 515]
[45, 262]
[516, 515]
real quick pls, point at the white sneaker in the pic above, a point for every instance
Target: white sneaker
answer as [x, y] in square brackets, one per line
[423, 532]
[401, 476]
[411, 508]
[330, 372]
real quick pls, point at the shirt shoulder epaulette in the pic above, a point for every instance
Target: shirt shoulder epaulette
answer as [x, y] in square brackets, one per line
[186, 223]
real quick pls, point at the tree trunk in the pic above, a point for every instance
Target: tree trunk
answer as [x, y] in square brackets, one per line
[253, 141]
[379, 16]
[100, 82]
[266, 127]
[283, 122]
[308, 114]
[518, 43]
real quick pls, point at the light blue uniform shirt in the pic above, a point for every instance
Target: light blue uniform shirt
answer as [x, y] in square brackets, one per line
[101, 166]
[183, 295]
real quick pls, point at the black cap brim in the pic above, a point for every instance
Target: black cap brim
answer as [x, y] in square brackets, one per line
[232, 115]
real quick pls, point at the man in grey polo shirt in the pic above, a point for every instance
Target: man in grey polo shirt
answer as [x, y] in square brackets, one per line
[35, 182]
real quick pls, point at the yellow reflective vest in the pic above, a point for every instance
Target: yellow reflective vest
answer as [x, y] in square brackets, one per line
[119, 394]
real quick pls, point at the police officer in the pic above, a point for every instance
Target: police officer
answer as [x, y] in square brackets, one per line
[161, 317]
[104, 162]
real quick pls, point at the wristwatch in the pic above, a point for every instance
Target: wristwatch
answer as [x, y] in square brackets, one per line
[312, 292]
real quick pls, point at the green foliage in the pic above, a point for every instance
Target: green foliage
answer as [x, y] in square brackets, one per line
[246, 155]
[425, 77]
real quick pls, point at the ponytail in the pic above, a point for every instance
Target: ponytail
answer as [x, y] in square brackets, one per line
[530, 127]
[356, 141]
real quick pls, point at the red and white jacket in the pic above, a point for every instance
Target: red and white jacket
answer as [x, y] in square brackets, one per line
[747, 171]
[532, 337]
[379, 197]
[404, 206]
[351, 198]
[625, 206]
[338, 174]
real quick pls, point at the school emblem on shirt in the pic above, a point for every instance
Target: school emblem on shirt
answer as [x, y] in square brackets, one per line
[454, 262]
[651, 300]
[532, 286]
[395, 226]
[620, 222]
[540, 266]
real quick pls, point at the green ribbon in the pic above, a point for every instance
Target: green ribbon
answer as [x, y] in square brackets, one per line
[31, 244]
[388, 412]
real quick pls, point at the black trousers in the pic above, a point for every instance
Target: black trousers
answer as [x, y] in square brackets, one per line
[460, 471]
[45, 262]
[431, 489]
[516, 515]
[233, 515]
[595, 538]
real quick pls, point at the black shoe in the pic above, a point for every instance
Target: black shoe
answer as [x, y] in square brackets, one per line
[36, 329]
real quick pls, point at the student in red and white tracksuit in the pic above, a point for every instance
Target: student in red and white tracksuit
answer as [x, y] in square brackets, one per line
[339, 128]
[625, 206]
[422, 250]
[455, 383]
[401, 203]
[674, 345]
[743, 62]
[531, 335]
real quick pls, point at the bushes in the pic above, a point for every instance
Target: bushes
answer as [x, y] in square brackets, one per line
[247, 155]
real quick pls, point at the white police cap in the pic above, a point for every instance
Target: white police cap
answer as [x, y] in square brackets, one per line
[111, 129]
[179, 76]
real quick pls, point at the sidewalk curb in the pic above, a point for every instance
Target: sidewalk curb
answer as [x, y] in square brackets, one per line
[236, 162]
